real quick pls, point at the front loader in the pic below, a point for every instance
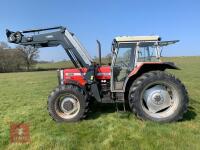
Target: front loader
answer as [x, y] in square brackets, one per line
[136, 76]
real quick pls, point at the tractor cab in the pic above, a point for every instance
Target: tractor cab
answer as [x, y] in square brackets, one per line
[131, 51]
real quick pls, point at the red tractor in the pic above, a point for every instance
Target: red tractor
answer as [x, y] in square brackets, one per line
[136, 77]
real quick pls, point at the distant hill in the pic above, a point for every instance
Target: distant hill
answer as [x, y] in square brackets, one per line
[68, 64]
[63, 64]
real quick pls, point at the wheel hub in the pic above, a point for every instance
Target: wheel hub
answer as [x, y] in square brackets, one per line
[157, 98]
[68, 105]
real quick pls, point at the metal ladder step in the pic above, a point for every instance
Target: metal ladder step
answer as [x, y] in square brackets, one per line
[117, 107]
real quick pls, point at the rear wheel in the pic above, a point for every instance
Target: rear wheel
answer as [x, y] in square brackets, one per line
[68, 103]
[158, 96]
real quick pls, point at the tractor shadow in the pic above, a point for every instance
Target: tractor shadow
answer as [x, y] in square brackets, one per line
[98, 109]
[192, 112]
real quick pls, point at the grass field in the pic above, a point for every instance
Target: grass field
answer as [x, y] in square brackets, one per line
[61, 64]
[64, 64]
[24, 96]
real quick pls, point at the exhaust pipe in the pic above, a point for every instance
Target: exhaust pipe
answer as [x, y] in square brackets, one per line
[99, 49]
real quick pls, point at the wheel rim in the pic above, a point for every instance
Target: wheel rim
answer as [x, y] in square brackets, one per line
[160, 99]
[67, 106]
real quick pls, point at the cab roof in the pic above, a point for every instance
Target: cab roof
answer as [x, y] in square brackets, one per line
[137, 38]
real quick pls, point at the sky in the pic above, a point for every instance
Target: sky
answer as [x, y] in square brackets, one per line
[103, 20]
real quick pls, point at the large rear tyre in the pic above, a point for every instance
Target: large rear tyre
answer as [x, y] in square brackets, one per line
[68, 103]
[158, 96]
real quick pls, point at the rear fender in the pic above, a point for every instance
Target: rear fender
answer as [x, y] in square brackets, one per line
[145, 67]
[149, 66]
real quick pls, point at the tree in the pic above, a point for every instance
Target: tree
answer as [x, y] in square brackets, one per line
[29, 55]
[10, 61]
[3, 60]
[3, 45]
[109, 57]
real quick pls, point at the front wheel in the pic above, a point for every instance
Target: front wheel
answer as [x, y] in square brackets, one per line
[158, 96]
[68, 103]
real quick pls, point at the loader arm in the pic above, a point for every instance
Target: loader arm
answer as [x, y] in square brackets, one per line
[51, 37]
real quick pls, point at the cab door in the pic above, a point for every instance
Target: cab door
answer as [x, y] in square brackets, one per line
[122, 65]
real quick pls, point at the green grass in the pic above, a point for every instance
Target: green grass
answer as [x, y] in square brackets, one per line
[24, 96]
[64, 64]
[61, 64]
